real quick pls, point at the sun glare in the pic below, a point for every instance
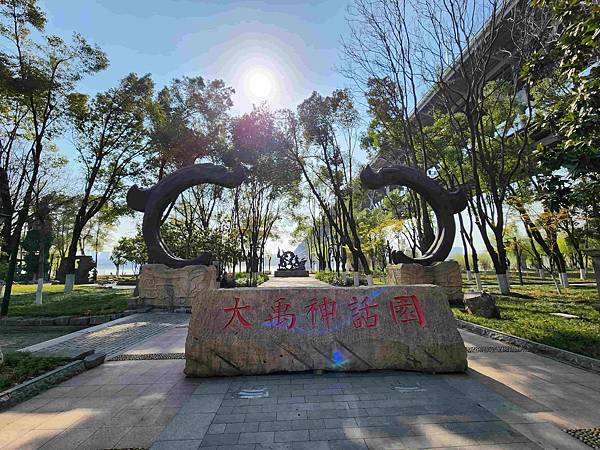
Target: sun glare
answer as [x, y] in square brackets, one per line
[260, 85]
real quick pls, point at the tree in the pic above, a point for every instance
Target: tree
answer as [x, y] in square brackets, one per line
[110, 139]
[260, 144]
[118, 258]
[455, 50]
[323, 137]
[39, 76]
[565, 78]
[132, 250]
[188, 120]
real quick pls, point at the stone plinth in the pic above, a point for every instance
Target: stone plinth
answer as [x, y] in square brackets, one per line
[291, 273]
[257, 331]
[445, 274]
[163, 287]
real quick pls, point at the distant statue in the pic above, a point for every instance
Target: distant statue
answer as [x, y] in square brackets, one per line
[289, 261]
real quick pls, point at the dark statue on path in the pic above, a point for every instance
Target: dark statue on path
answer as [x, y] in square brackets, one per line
[153, 202]
[290, 261]
[444, 204]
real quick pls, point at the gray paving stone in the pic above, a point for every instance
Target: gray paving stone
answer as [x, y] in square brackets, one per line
[290, 399]
[261, 417]
[226, 410]
[204, 403]
[312, 445]
[212, 388]
[243, 427]
[190, 426]
[229, 418]
[327, 434]
[284, 425]
[230, 447]
[216, 428]
[348, 444]
[291, 415]
[261, 437]
[176, 445]
[291, 436]
[340, 423]
[385, 444]
[220, 439]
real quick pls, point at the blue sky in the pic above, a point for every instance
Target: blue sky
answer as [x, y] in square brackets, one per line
[295, 41]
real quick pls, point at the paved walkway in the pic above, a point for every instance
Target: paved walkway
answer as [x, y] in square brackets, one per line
[113, 337]
[277, 282]
[507, 400]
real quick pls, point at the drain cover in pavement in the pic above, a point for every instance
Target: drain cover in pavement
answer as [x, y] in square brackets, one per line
[589, 436]
[147, 356]
[252, 393]
[408, 388]
[493, 349]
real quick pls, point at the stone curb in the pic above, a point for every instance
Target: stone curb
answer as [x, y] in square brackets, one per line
[584, 362]
[37, 385]
[65, 320]
[31, 388]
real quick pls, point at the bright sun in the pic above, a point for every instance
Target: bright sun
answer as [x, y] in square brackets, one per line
[260, 85]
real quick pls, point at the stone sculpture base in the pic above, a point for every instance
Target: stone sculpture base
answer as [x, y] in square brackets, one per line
[291, 273]
[445, 274]
[258, 331]
[163, 287]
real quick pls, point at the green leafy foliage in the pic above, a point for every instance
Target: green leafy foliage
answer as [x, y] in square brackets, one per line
[20, 366]
[526, 313]
[83, 301]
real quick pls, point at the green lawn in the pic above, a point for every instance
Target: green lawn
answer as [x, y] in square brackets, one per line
[526, 313]
[19, 367]
[82, 301]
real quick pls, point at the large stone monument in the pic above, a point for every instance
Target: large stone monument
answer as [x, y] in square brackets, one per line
[290, 265]
[257, 331]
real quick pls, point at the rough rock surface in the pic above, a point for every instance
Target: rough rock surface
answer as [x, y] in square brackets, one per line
[163, 287]
[445, 274]
[482, 304]
[264, 330]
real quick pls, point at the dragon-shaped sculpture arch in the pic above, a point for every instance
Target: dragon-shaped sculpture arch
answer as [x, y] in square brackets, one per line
[154, 201]
[444, 204]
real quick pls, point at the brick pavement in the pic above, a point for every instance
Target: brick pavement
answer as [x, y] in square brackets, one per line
[114, 339]
[507, 400]
[337, 411]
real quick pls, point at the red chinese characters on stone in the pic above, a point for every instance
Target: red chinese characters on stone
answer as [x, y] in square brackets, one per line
[405, 309]
[236, 313]
[326, 310]
[363, 314]
[279, 316]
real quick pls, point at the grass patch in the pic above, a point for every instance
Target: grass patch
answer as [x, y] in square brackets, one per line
[526, 314]
[19, 367]
[83, 301]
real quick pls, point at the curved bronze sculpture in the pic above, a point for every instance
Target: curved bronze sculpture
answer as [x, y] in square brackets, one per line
[444, 204]
[154, 201]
